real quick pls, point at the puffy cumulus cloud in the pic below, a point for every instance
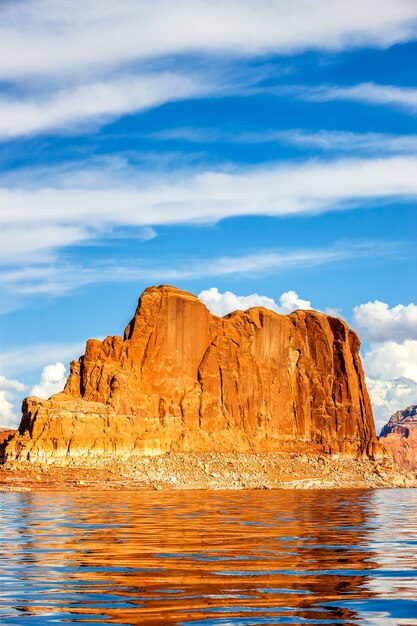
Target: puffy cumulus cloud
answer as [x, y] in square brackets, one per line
[391, 360]
[52, 381]
[381, 323]
[388, 396]
[12, 391]
[8, 390]
[223, 303]
[391, 370]
[289, 301]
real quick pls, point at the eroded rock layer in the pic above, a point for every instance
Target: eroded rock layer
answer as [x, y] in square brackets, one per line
[182, 379]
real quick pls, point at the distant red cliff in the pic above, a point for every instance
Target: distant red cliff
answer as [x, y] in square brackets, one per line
[5, 433]
[183, 379]
[399, 436]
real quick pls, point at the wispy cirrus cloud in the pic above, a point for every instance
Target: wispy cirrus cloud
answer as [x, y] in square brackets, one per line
[72, 65]
[17, 361]
[59, 278]
[45, 219]
[325, 140]
[44, 38]
[70, 108]
[351, 142]
[371, 93]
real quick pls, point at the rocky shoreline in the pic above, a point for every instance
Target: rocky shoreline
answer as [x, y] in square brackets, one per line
[207, 471]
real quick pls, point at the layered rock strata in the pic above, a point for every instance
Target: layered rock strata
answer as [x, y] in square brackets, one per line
[182, 379]
[399, 436]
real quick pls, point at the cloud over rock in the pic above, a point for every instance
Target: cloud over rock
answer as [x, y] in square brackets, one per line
[223, 303]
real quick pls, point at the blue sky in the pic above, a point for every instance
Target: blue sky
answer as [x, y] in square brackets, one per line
[236, 149]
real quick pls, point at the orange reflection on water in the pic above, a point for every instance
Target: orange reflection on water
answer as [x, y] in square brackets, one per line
[207, 558]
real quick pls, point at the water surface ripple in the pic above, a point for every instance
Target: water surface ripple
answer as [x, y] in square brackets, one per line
[209, 558]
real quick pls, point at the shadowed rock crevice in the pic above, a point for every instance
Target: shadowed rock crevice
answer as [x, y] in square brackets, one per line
[182, 379]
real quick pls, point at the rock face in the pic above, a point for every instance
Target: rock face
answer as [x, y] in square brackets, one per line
[182, 379]
[399, 436]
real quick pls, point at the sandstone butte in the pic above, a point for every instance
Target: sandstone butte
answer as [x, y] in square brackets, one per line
[184, 380]
[399, 436]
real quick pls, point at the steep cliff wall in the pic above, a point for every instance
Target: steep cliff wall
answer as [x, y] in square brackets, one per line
[182, 379]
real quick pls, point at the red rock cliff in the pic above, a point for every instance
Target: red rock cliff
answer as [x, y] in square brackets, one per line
[183, 379]
[399, 436]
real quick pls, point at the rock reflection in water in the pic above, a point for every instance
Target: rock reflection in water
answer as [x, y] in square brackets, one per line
[235, 558]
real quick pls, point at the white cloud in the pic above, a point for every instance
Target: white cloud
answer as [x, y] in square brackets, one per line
[327, 140]
[68, 108]
[391, 360]
[103, 52]
[32, 357]
[391, 370]
[53, 380]
[8, 389]
[71, 213]
[19, 362]
[11, 391]
[344, 141]
[223, 303]
[381, 323]
[36, 243]
[289, 301]
[389, 396]
[45, 38]
[7, 384]
[403, 97]
[58, 279]
[333, 311]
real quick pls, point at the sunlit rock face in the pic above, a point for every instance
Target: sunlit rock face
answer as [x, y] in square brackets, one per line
[399, 436]
[183, 379]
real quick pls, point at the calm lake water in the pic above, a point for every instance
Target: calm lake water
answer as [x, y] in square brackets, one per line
[219, 558]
